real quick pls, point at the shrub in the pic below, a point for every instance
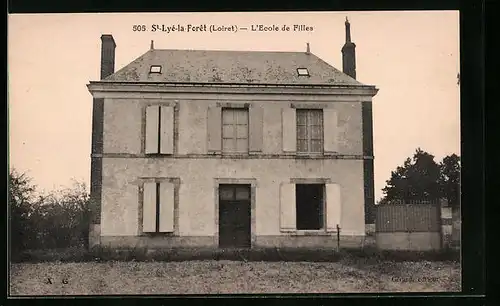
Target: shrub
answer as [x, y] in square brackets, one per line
[22, 227]
[53, 221]
[62, 218]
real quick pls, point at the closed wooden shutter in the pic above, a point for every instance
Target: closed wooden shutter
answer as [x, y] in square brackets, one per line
[152, 129]
[288, 210]
[330, 130]
[256, 128]
[166, 207]
[214, 129]
[167, 130]
[333, 207]
[289, 130]
[149, 208]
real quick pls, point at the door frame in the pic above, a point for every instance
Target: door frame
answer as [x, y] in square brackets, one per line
[236, 181]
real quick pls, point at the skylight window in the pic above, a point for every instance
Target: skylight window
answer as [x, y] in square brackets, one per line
[303, 71]
[155, 69]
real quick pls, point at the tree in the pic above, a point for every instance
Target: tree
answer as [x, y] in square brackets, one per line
[62, 217]
[21, 199]
[55, 220]
[417, 179]
[421, 178]
[449, 180]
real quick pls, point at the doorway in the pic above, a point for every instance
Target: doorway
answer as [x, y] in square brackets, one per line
[234, 216]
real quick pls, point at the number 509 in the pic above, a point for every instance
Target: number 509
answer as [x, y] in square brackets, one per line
[139, 27]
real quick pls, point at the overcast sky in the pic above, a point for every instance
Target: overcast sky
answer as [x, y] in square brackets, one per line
[412, 57]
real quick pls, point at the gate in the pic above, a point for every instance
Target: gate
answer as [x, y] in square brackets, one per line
[409, 226]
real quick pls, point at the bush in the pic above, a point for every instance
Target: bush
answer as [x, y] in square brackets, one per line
[62, 218]
[21, 197]
[54, 221]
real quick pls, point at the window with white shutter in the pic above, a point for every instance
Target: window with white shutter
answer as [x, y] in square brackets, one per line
[256, 128]
[310, 207]
[289, 130]
[333, 207]
[287, 207]
[158, 207]
[159, 129]
[330, 131]
[166, 207]
[166, 130]
[152, 129]
[149, 207]
[214, 129]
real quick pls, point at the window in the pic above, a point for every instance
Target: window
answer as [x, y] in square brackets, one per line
[155, 69]
[235, 130]
[309, 206]
[234, 192]
[158, 207]
[303, 71]
[159, 129]
[310, 130]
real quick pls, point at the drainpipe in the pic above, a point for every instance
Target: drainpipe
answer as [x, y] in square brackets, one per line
[338, 238]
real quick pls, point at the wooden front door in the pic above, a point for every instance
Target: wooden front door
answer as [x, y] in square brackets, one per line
[234, 216]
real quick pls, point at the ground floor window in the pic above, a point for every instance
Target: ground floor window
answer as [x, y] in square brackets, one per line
[309, 199]
[158, 207]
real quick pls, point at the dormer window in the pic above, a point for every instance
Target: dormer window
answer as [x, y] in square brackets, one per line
[303, 71]
[155, 69]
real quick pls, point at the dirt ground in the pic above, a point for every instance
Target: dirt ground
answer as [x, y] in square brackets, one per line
[226, 277]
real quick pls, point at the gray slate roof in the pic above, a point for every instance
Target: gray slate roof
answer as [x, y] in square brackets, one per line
[258, 67]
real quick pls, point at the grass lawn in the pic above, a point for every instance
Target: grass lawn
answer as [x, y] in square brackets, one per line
[225, 277]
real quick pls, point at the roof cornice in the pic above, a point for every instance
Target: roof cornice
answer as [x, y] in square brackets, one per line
[178, 87]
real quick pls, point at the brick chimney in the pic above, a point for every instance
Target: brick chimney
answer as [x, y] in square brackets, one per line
[107, 68]
[349, 68]
[108, 46]
[349, 53]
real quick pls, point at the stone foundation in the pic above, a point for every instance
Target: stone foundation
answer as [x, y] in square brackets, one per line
[157, 242]
[309, 241]
[94, 235]
[413, 241]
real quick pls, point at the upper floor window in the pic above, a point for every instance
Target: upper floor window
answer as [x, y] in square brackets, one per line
[235, 130]
[309, 130]
[159, 133]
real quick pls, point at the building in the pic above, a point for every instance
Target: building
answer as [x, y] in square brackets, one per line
[230, 149]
